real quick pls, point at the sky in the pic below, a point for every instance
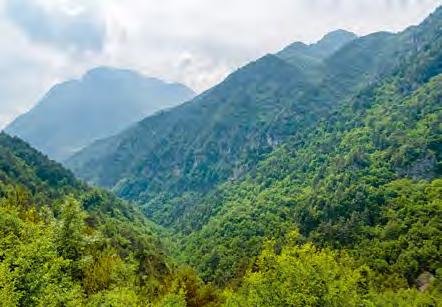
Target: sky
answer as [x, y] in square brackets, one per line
[194, 42]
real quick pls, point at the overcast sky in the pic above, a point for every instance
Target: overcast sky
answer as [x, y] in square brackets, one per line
[195, 42]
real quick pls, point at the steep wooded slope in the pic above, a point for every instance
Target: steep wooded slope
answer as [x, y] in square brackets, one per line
[64, 243]
[366, 179]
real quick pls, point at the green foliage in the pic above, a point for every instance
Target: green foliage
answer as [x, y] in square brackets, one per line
[407, 242]
[307, 276]
[115, 297]
[340, 186]
[406, 297]
[173, 300]
[54, 252]
[33, 272]
[301, 276]
[188, 284]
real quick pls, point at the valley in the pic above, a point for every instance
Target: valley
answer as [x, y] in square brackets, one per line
[308, 177]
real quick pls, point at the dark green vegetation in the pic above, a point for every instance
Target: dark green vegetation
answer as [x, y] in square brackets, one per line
[65, 244]
[104, 102]
[307, 178]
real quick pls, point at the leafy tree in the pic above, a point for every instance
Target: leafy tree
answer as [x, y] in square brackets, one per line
[301, 276]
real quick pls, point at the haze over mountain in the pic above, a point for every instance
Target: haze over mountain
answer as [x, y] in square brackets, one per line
[102, 103]
[308, 57]
[311, 177]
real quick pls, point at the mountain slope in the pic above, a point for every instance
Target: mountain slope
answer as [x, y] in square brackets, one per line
[104, 102]
[223, 133]
[193, 137]
[366, 180]
[64, 243]
[363, 181]
[242, 117]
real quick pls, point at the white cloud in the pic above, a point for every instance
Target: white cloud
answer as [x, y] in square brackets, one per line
[197, 42]
[71, 28]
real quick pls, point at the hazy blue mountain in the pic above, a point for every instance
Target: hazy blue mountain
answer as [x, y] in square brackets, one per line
[102, 103]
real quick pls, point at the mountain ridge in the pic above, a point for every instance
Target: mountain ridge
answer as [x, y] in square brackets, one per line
[309, 57]
[249, 114]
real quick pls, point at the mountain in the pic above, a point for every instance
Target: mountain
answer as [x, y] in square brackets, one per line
[223, 133]
[320, 50]
[309, 57]
[102, 103]
[197, 137]
[64, 243]
[365, 180]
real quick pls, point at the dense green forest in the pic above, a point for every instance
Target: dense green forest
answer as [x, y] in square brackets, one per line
[351, 179]
[65, 244]
[365, 181]
[307, 178]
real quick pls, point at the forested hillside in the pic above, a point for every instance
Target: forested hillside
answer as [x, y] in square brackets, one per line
[366, 180]
[350, 178]
[349, 158]
[65, 244]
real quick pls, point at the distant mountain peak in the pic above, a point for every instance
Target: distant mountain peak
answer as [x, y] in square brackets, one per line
[339, 33]
[437, 12]
[104, 100]
[337, 38]
[107, 70]
[299, 53]
[296, 45]
[433, 22]
[112, 73]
